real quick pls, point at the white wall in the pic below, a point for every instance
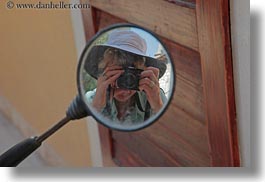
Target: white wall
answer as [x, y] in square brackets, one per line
[240, 24]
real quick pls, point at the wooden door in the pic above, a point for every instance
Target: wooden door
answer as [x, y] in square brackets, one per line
[199, 127]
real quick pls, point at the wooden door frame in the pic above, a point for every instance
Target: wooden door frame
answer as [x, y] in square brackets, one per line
[214, 46]
[213, 21]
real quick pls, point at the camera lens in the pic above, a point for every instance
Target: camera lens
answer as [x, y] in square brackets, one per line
[127, 81]
[130, 80]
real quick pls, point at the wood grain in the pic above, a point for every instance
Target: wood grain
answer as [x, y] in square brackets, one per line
[144, 149]
[157, 147]
[186, 127]
[107, 146]
[125, 157]
[188, 93]
[88, 20]
[189, 98]
[187, 107]
[217, 76]
[184, 119]
[199, 127]
[187, 62]
[105, 19]
[156, 16]
[184, 3]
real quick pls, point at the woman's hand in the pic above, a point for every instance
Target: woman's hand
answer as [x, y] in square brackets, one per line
[109, 76]
[150, 84]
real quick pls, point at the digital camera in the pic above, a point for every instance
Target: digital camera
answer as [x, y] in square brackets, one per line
[129, 79]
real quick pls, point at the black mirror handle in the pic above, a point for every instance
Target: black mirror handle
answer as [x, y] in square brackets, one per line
[16, 154]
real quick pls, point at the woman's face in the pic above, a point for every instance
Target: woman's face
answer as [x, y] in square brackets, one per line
[123, 95]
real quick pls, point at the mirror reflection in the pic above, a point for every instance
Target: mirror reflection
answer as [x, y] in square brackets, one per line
[126, 78]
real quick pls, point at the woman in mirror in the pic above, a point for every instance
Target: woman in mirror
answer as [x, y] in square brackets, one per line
[128, 90]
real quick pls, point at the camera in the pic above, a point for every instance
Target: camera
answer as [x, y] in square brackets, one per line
[129, 79]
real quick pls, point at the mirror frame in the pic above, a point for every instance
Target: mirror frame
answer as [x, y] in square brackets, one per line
[79, 67]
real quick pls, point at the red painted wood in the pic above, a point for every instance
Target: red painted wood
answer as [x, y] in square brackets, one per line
[217, 76]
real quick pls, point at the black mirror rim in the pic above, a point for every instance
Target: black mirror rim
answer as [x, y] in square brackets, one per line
[119, 25]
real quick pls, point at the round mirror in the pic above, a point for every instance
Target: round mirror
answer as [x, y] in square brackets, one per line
[125, 77]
